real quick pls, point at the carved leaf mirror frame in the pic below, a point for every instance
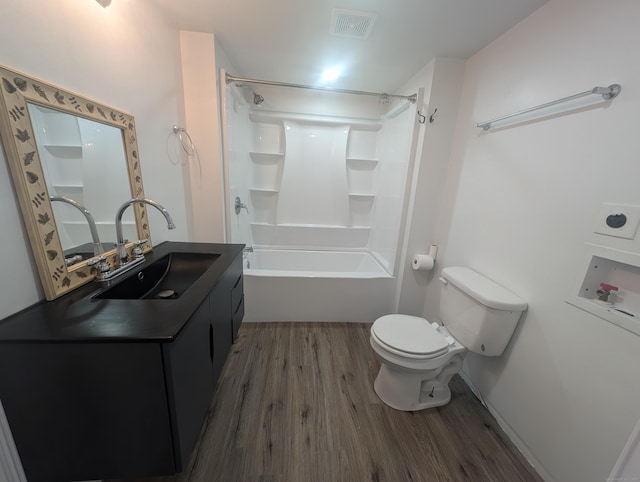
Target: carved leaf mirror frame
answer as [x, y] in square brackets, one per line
[17, 90]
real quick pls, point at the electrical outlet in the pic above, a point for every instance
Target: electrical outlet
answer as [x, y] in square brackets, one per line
[619, 220]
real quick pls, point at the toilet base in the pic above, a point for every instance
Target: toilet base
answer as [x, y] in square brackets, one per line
[411, 390]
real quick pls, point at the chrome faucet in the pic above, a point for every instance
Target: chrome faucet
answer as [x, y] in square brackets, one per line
[120, 242]
[97, 246]
[246, 252]
[238, 205]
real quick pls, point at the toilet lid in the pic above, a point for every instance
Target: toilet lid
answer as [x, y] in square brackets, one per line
[409, 334]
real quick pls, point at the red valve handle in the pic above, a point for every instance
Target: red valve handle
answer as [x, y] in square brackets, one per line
[608, 287]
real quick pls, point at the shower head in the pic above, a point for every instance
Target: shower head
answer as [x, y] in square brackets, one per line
[257, 98]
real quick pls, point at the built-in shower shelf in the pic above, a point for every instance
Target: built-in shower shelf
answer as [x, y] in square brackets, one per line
[362, 163]
[310, 226]
[359, 195]
[266, 157]
[262, 190]
[310, 235]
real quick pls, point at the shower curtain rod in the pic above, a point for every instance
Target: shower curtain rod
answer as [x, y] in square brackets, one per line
[383, 96]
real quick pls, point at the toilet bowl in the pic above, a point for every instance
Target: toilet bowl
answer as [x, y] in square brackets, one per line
[418, 358]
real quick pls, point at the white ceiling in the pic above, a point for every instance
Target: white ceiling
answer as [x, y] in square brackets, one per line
[289, 40]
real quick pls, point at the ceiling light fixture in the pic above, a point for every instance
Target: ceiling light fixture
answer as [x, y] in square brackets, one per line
[330, 74]
[104, 3]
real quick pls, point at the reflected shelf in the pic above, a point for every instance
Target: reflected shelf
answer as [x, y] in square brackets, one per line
[64, 151]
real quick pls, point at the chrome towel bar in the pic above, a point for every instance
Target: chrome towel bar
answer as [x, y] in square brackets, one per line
[607, 93]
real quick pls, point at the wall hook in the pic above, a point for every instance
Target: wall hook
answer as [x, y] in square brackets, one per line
[422, 119]
[432, 117]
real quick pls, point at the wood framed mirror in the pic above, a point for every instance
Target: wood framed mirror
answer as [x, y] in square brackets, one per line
[58, 143]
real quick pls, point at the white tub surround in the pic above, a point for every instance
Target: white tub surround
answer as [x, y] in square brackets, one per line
[311, 181]
[313, 264]
[315, 181]
[304, 285]
[314, 184]
[325, 196]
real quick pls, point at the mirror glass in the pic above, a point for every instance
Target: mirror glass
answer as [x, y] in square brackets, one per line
[84, 153]
[83, 160]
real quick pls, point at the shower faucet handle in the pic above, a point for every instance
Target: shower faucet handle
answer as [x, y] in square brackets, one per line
[239, 205]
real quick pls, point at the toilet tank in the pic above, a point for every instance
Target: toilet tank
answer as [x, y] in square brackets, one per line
[479, 313]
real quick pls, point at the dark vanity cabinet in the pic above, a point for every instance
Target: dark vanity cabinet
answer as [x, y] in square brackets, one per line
[131, 405]
[195, 360]
[189, 363]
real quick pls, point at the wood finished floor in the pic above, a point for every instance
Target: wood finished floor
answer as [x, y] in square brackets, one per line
[295, 403]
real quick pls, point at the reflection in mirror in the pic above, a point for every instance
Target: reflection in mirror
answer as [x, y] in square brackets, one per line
[85, 161]
[89, 155]
[72, 256]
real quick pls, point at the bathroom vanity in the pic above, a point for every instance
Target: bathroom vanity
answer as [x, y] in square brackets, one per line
[113, 380]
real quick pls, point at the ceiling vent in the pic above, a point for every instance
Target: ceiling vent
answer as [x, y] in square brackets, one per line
[352, 23]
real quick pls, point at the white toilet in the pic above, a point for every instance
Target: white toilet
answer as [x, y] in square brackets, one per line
[419, 358]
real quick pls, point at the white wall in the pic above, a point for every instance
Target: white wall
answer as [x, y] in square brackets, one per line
[202, 123]
[441, 80]
[125, 56]
[519, 205]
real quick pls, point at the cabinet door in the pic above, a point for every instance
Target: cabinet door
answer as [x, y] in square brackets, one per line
[221, 325]
[81, 411]
[189, 366]
[237, 303]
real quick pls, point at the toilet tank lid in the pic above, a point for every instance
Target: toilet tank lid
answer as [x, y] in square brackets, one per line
[487, 292]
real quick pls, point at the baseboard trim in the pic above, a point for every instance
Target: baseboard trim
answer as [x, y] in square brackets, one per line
[513, 436]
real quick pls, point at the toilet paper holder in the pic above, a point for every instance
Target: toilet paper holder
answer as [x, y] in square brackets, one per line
[425, 262]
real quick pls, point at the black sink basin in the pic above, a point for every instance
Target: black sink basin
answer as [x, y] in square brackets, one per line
[167, 278]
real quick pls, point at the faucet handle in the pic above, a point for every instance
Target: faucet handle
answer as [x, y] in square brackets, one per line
[605, 291]
[137, 250]
[239, 205]
[96, 260]
[608, 287]
[101, 261]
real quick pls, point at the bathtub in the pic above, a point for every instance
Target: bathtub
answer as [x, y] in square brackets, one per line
[305, 285]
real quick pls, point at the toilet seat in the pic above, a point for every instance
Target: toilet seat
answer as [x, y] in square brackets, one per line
[409, 336]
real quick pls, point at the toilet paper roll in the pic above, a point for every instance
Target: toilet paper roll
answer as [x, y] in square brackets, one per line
[422, 262]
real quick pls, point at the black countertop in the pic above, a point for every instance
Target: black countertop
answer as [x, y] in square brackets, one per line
[77, 317]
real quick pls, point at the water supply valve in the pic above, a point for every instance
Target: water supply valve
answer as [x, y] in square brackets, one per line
[605, 291]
